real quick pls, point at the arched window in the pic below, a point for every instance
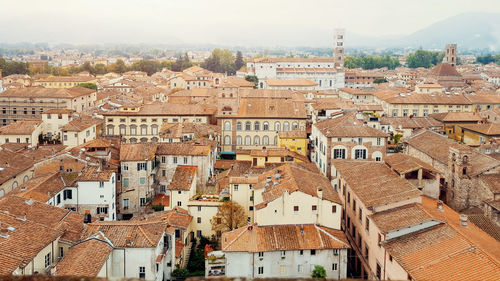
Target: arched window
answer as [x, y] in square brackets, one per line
[266, 126]
[265, 140]
[238, 140]
[227, 140]
[123, 130]
[277, 126]
[248, 126]
[227, 126]
[238, 126]
[144, 139]
[144, 130]
[256, 140]
[14, 185]
[2, 193]
[248, 140]
[154, 139]
[286, 126]
[111, 130]
[133, 130]
[133, 140]
[295, 126]
[154, 129]
[26, 178]
[256, 126]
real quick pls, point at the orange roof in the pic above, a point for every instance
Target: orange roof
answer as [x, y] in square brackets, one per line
[489, 129]
[258, 238]
[85, 259]
[23, 127]
[183, 177]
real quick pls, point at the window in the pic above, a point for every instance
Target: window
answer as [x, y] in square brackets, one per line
[67, 194]
[299, 268]
[142, 181]
[256, 140]
[277, 126]
[142, 201]
[313, 252]
[198, 233]
[163, 159]
[265, 140]
[334, 208]
[248, 126]
[360, 215]
[379, 141]
[235, 187]
[102, 210]
[47, 260]
[266, 126]
[227, 140]
[174, 160]
[141, 166]
[142, 272]
[199, 208]
[248, 140]
[367, 224]
[261, 270]
[227, 126]
[334, 266]
[301, 252]
[314, 208]
[286, 126]
[282, 269]
[61, 252]
[58, 199]
[261, 254]
[125, 182]
[354, 205]
[295, 209]
[335, 252]
[198, 220]
[339, 153]
[250, 208]
[179, 203]
[185, 160]
[360, 154]
[256, 126]
[101, 184]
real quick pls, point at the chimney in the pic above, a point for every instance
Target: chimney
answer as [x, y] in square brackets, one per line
[320, 193]
[439, 205]
[463, 220]
[87, 218]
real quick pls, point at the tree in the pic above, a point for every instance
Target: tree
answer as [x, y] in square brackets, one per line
[220, 61]
[230, 216]
[182, 63]
[379, 80]
[180, 272]
[148, 66]
[422, 58]
[371, 62]
[318, 272]
[118, 67]
[254, 79]
[238, 62]
[88, 86]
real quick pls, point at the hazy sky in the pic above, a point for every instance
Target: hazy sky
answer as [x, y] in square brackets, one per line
[228, 22]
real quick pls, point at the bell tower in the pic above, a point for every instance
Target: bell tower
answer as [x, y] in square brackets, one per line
[451, 54]
[338, 48]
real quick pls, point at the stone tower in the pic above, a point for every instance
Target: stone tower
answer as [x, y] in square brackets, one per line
[450, 54]
[338, 48]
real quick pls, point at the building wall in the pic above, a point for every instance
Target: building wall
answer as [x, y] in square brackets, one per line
[232, 138]
[246, 265]
[281, 211]
[206, 210]
[135, 189]
[181, 198]
[421, 110]
[72, 138]
[89, 196]
[31, 139]
[296, 145]
[15, 182]
[52, 123]
[169, 164]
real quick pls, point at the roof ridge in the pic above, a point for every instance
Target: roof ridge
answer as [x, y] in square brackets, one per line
[238, 236]
[329, 235]
[145, 235]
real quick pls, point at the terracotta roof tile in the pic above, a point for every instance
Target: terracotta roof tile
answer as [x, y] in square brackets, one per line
[24, 127]
[137, 151]
[84, 259]
[183, 177]
[347, 126]
[404, 163]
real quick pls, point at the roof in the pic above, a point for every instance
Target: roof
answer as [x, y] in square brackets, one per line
[75, 78]
[20, 245]
[294, 134]
[400, 217]
[79, 124]
[94, 174]
[177, 217]
[492, 181]
[484, 99]
[301, 82]
[293, 177]
[435, 252]
[37, 92]
[137, 151]
[286, 59]
[179, 148]
[269, 108]
[404, 163]
[71, 223]
[13, 164]
[417, 98]
[177, 130]
[22, 127]
[347, 126]
[128, 234]
[98, 143]
[166, 109]
[410, 123]
[437, 147]
[444, 69]
[85, 259]
[59, 111]
[488, 129]
[257, 238]
[42, 188]
[183, 177]
[378, 186]
[457, 117]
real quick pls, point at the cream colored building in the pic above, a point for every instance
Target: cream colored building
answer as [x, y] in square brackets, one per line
[420, 105]
[54, 119]
[143, 124]
[26, 131]
[182, 186]
[29, 103]
[63, 81]
[79, 131]
[203, 208]
[256, 123]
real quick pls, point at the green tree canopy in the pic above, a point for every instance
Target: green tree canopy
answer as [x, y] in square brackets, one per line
[371, 62]
[318, 272]
[148, 66]
[423, 58]
[182, 63]
[489, 58]
[253, 79]
[220, 61]
[88, 86]
[238, 62]
[13, 67]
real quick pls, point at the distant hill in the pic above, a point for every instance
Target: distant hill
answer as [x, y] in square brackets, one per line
[469, 31]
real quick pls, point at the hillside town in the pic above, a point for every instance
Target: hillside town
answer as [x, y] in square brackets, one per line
[287, 168]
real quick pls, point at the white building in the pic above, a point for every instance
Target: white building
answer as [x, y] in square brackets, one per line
[287, 251]
[320, 70]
